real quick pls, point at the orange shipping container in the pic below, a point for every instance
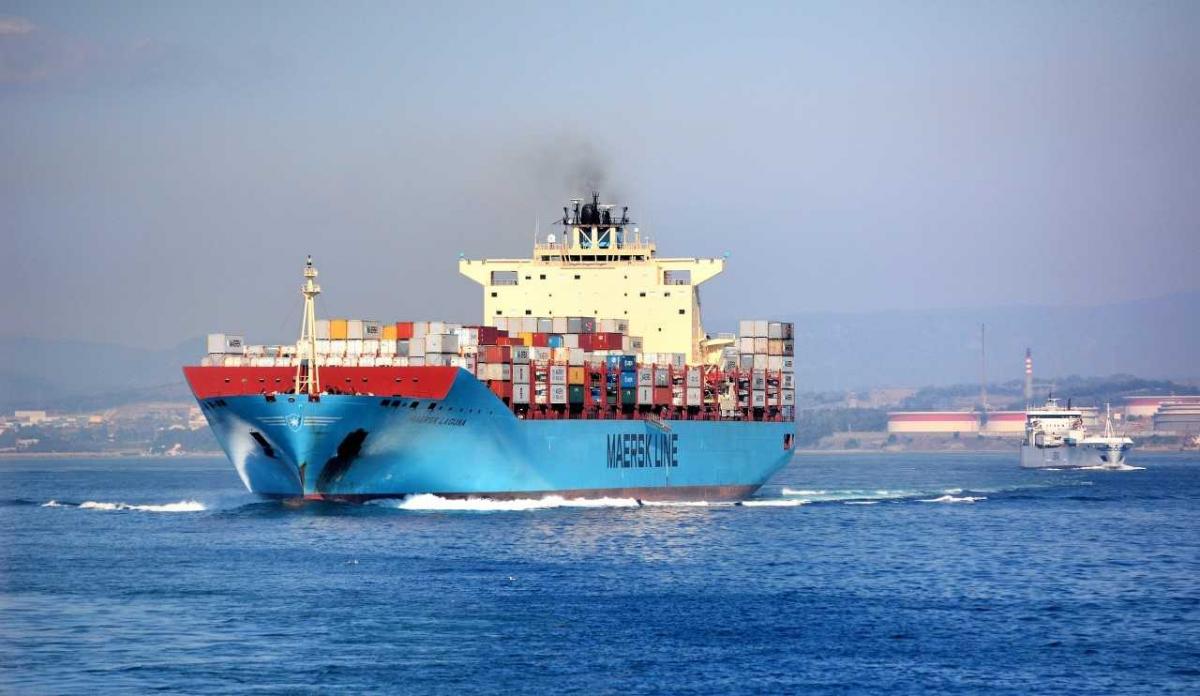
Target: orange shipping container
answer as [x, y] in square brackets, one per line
[337, 329]
[404, 330]
[575, 375]
[389, 332]
[526, 338]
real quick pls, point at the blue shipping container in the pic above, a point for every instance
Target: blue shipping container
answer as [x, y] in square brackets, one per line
[628, 363]
[628, 380]
[613, 362]
[556, 341]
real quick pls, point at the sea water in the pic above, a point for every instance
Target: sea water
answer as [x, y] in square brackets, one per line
[900, 573]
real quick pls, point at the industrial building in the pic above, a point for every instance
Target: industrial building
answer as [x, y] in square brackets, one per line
[997, 423]
[1181, 419]
[1148, 406]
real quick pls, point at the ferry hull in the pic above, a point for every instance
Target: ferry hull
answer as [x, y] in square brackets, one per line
[469, 444]
[1073, 456]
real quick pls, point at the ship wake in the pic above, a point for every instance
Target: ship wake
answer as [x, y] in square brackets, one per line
[180, 506]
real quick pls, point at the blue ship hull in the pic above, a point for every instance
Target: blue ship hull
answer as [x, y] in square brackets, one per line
[469, 444]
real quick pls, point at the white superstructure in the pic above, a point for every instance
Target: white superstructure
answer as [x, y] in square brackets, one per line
[1055, 437]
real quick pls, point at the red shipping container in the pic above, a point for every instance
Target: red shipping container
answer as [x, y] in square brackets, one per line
[488, 335]
[501, 389]
[662, 395]
[403, 330]
[588, 342]
[541, 340]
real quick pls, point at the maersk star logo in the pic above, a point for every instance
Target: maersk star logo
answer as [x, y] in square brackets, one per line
[294, 421]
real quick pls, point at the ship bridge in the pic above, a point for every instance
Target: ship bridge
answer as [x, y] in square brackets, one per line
[600, 266]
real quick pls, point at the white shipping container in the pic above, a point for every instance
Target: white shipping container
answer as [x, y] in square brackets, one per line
[746, 345]
[774, 363]
[520, 354]
[501, 323]
[366, 361]
[370, 346]
[645, 376]
[788, 380]
[606, 325]
[322, 328]
[545, 326]
[226, 344]
[337, 347]
[520, 374]
[571, 340]
[372, 329]
[558, 393]
[758, 380]
[645, 395]
[322, 346]
[416, 348]
[761, 346]
[575, 357]
[384, 361]
[760, 328]
[353, 347]
[758, 399]
[436, 327]
[402, 347]
[746, 328]
[774, 329]
[693, 377]
[694, 396]
[789, 363]
[420, 328]
[333, 361]
[558, 325]
[354, 329]
[678, 361]
[789, 397]
[437, 359]
[520, 393]
[558, 374]
[416, 361]
[635, 344]
[387, 348]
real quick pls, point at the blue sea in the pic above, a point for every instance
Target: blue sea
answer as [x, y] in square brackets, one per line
[849, 574]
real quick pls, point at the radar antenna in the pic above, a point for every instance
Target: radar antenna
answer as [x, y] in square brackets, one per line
[308, 376]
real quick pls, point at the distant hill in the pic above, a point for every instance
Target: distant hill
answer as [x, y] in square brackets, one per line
[1156, 338]
[69, 374]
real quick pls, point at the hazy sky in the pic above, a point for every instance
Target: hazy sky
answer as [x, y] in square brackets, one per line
[166, 165]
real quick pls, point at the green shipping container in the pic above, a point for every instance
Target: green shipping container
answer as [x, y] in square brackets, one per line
[575, 394]
[629, 397]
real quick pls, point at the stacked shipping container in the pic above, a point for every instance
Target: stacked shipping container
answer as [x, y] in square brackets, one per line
[563, 367]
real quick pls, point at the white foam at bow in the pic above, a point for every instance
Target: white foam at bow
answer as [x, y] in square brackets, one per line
[52, 503]
[181, 506]
[953, 499]
[793, 491]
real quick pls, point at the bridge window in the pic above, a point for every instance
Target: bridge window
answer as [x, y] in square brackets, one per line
[677, 278]
[504, 277]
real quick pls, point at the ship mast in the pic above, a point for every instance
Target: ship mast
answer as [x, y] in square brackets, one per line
[308, 376]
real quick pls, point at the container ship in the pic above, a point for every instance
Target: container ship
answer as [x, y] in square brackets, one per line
[589, 376]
